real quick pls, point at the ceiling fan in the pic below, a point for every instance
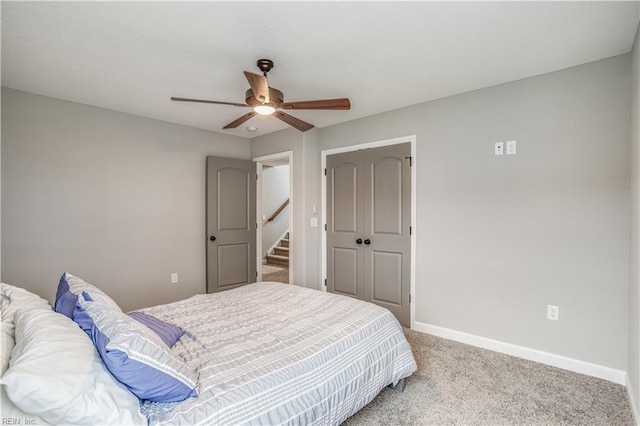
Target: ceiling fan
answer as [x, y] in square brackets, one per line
[267, 100]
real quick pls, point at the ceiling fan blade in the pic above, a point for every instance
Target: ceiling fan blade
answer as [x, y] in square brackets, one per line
[235, 123]
[340, 103]
[259, 86]
[173, 98]
[303, 126]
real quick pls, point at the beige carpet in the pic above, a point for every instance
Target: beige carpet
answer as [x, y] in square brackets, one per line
[275, 273]
[457, 384]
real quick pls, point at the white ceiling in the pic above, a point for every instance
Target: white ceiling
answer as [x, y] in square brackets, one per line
[132, 57]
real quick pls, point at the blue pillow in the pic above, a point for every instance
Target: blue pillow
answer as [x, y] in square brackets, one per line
[65, 300]
[169, 333]
[70, 287]
[81, 318]
[134, 354]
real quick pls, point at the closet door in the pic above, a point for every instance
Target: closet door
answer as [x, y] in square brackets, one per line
[387, 240]
[345, 269]
[368, 219]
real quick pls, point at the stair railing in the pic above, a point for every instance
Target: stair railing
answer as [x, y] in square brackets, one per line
[277, 212]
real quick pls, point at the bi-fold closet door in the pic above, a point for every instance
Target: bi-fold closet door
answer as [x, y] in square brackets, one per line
[368, 226]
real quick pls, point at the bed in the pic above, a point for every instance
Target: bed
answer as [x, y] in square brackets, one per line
[272, 353]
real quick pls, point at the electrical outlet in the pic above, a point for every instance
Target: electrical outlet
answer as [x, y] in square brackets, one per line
[174, 278]
[499, 149]
[553, 313]
[511, 147]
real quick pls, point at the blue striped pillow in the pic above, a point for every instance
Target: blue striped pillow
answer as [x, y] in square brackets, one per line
[169, 333]
[70, 287]
[134, 354]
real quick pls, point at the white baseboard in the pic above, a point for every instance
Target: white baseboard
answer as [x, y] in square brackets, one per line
[632, 401]
[595, 370]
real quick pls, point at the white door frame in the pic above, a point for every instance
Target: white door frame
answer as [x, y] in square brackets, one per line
[395, 141]
[259, 161]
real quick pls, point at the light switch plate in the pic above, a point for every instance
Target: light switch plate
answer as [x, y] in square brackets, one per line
[511, 147]
[499, 150]
[553, 312]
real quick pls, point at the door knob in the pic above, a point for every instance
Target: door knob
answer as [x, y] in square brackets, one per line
[359, 241]
[212, 238]
[367, 241]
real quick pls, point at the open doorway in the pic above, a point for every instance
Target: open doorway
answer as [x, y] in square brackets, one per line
[273, 207]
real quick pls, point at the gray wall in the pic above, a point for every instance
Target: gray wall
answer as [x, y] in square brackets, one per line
[634, 270]
[311, 189]
[500, 238]
[0, 193]
[275, 191]
[116, 199]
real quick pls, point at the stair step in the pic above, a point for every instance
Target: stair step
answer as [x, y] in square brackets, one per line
[281, 251]
[274, 259]
[284, 242]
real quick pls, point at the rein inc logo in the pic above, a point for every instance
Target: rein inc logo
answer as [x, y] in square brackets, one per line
[18, 421]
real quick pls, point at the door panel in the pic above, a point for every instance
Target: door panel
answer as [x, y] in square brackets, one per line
[345, 261]
[369, 200]
[344, 189]
[387, 198]
[387, 277]
[235, 258]
[233, 199]
[386, 193]
[231, 221]
[345, 269]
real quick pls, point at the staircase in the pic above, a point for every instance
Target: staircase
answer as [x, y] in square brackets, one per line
[279, 256]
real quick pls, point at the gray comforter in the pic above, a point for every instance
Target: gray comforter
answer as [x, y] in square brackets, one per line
[270, 353]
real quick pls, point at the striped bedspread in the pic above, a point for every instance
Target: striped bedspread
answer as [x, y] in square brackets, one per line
[271, 353]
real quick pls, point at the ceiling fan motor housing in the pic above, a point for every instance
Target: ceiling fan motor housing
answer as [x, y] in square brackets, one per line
[276, 97]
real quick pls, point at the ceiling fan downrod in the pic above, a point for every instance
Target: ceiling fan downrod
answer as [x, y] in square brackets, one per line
[265, 65]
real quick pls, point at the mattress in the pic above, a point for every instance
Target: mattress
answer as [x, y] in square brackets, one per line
[271, 353]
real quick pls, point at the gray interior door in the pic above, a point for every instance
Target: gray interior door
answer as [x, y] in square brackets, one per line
[345, 227]
[368, 226]
[387, 218]
[231, 223]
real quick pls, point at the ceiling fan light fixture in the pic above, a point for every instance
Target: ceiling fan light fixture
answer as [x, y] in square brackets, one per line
[266, 100]
[264, 109]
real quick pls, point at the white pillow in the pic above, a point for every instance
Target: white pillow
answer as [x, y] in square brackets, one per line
[56, 373]
[13, 298]
[7, 343]
[9, 410]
